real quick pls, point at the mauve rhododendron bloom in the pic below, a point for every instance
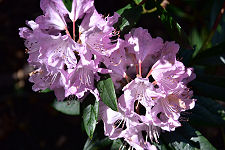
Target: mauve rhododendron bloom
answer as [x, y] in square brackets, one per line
[53, 50]
[156, 104]
[151, 82]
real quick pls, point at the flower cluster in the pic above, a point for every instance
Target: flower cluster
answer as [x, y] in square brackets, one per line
[152, 80]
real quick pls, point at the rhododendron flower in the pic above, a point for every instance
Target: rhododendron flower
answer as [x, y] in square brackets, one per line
[167, 111]
[54, 16]
[150, 80]
[62, 54]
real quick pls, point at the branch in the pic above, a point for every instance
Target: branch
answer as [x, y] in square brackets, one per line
[213, 30]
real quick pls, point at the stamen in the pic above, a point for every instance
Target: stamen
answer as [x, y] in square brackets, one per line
[67, 32]
[79, 41]
[136, 107]
[149, 73]
[74, 30]
[126, 77]
[35, 72]
[84, 77]
[53, 78]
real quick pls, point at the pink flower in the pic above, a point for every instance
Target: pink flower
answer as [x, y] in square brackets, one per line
[96, 34]
[168, 75]
[54, 16]
[142, 44]
[79, 8]
[167, 111]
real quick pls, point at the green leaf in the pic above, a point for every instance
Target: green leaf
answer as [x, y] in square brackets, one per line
[208, 90]
[137, 1]
[71, 107]
[184, 138]
[107, 93]
[96, 143]
[204, 143]
[68, 4]
[211, 56]
[90, 117]
[207, 75]
[129, 16]
[207, 112]
[185, 55]
[46, 90]
[116, 144]
[173, 27]
[210, 79]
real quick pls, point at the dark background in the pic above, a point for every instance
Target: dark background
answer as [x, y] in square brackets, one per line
[27, 120]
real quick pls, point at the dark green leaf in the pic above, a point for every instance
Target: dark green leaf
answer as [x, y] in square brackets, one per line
[90, 117]
[130, 15]
[116, 144]
[202, 76]
[196, 39]
[96, 143]
[207, 112]
[71, 107]
[185, 55]
[211, 56]
[204, 143]
[208, 90]
[68, 4]
[107, 93]
[46, 90]
[173, 27]
[185, 138]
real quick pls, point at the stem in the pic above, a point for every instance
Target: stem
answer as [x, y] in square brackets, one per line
[145, 11]
[74, 30]
[213, 30]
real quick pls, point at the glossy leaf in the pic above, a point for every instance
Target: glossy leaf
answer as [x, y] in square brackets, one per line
[210, 79]
[185, 138]
[71, 107]
[207, 112]
[211, 56]
[204, 143]
[90, 117]
[130, 15]
[107, 93]
[116, 144]
[208, 90]
[97, 144]
[68, 4]
[173, 27]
